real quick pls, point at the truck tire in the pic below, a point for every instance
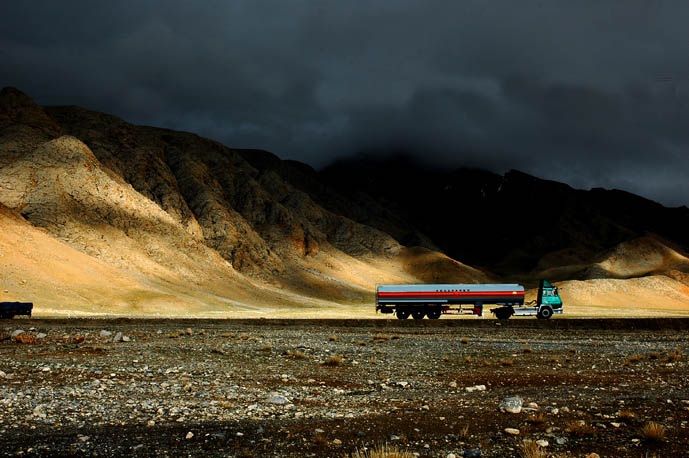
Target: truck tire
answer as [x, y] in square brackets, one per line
[402, 314]
[418, 314]
[433, 314]
[545, 313]
[503, 314]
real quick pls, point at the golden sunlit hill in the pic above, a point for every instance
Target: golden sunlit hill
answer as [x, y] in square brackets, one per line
[102, 217]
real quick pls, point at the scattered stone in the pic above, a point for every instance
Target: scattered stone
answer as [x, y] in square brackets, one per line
[189, 331]
[337, 442]
[126, 339]
[560, 440]
[118, 337]
[473, 453]
[18, 332]
[151, 423]
[319, 431]
[274, 398]
[105, 333]
[189, 435]
[41, 335]
[2, 374]
[511, 404]
[533, 405]
[542, 443]
[453, 385]
[593, 455]
[403, 384]
[615, 424]
[394, 438]
[361, 434]
[239, 434]
[451, 455]
[471, 389]
[512, 431]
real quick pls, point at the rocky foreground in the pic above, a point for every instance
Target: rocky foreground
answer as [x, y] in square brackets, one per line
[267, 388]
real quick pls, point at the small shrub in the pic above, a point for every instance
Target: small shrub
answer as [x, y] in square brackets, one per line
[464, 432]
[654, 355]
[362, 343]
[527, 350]
[572, 350]
[380, 338]
[173, 335]
[295, 354]
[653, 432]
[530, 449]
[382, 451]
[506, 362]
[674, 356]
[536, 420]
[464, 340]
[265, 347]
[580, 428]
[446, 358]
[635, 358]
[333, 339]
[396, 337]
[467, 359]
[333, 361]
[626, 415]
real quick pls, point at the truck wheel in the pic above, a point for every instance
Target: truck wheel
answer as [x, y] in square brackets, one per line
[402, 314]
[418, 314]
[503, 314]
[433, 314]
[545, 313]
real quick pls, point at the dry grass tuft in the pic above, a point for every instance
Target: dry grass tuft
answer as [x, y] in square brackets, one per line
[464, 432]
[626, 415]
[333, 339]
[467, 359]
[580, 428]
[537, 420]
[382, 451]
[530, 449]
[333, 361]
[635, 358]
[674, 356]
[527, 350]
[506, 362]
[464, 340]
[653, 432]
[265, 347]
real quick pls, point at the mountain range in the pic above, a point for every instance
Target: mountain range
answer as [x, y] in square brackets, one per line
[100, 216]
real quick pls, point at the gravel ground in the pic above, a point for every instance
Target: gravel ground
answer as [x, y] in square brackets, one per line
[281, 388]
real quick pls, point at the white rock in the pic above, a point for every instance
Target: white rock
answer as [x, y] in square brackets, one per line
[17, 332]
[451, 455]
[453, 385]
[542, 443]
[125, 339]
[512, 405]
[190, 435]
[105, 333]
[274, 398]
[512, 431]
[118, 337]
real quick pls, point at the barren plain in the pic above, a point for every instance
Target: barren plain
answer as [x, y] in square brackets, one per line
[320, 388]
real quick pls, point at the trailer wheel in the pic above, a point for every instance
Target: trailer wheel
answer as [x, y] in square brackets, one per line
[433, 314]
[402, 314]
[545, 313]
[418, 314]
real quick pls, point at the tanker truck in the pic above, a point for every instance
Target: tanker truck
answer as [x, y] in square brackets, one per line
[432, 301]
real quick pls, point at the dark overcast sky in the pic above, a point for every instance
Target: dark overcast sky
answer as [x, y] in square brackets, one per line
[593, 93]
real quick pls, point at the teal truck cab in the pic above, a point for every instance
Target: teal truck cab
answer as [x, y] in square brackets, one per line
[547, 303]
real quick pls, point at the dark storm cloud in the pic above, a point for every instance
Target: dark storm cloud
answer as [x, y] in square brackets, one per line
[594, 93]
